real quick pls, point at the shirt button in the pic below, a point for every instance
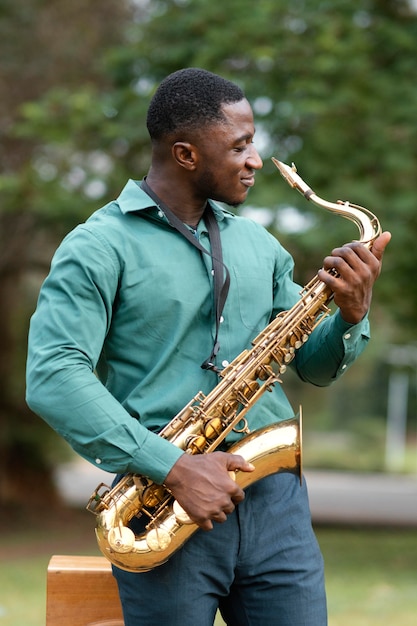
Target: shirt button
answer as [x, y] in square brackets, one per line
[344, 366]
[98, 461]
[348, 336]
[160, 213]
[221, 319]
[225, 363]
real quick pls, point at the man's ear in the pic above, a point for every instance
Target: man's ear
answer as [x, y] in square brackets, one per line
[185, 154]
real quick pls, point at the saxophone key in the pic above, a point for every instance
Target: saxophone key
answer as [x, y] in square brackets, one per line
[196, 444]
[153, 495]
[246, 391]
[289, 355]
[213, 428]
[121, 539]
[264, 372]
[158, 539]
[228, 408]
[180, 514]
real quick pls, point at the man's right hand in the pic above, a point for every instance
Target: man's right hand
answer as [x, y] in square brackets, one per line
[203, 487]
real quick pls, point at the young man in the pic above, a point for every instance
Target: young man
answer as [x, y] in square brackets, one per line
[129, 298]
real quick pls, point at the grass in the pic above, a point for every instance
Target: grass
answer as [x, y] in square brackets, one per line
[371, 573]
[27, 542]
[371, 576]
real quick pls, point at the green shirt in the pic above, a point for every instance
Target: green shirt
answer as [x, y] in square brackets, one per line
[125, 319]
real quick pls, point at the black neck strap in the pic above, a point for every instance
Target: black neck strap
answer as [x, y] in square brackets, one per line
[220, 271]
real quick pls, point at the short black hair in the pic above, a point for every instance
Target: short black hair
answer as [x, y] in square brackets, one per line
[189, 99]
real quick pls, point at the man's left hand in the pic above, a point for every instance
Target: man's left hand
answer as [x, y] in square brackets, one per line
[357, 269]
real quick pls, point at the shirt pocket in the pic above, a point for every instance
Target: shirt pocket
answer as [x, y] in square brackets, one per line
[254, 297]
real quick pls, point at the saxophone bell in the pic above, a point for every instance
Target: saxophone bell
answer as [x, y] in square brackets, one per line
[273, 449]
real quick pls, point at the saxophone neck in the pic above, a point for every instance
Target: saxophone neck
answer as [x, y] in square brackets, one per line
[367, 223]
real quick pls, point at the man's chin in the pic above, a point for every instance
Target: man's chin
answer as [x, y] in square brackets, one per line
[234, 204]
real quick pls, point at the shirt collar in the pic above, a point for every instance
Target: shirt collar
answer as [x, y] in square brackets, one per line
[134, 199]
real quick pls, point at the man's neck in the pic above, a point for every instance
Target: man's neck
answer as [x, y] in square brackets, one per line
[178, 200]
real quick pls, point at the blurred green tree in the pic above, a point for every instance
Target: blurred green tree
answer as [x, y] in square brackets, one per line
[333, 86]
[44, 45]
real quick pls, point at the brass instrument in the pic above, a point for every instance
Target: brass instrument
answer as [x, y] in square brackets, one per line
[206, 420]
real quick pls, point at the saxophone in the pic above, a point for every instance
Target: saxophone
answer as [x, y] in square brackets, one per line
[202, 425]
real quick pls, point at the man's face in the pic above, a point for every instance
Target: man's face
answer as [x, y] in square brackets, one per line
[227, 157]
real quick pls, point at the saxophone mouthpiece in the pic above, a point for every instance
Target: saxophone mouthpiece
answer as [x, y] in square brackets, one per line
[292, 178]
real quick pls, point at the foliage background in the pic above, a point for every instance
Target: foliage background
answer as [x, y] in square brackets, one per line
[334, 87]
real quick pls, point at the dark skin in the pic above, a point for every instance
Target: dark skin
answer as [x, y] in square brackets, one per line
[221, 164]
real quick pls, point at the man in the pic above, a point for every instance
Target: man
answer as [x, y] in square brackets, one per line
[131, 299]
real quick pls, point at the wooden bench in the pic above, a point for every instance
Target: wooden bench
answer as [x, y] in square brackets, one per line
[81, 591]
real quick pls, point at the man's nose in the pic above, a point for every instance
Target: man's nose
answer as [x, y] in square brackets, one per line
[254, 160]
